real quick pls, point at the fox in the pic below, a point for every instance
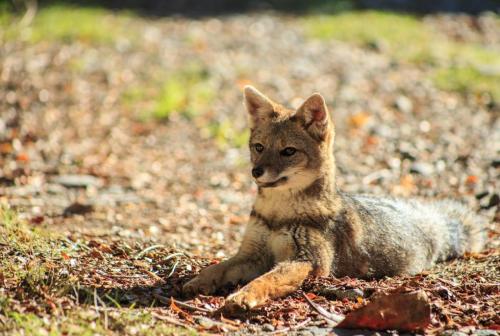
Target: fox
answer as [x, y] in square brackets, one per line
[302, 225]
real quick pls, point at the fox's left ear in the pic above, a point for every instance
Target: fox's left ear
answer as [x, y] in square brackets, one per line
[259, 107]
[314, 114]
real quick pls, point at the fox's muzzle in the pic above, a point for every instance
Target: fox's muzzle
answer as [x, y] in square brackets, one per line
[257, 172]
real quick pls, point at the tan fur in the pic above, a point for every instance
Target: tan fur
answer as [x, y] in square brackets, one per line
[284, 279]
[302, 225]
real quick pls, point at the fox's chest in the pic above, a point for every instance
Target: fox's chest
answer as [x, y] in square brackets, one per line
[281, 245]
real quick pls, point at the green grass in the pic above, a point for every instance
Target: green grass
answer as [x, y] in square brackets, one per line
[67, 24]
[28, 256]
[88, 322]
[468, 80]
[31, 260]
[187, 92]
[226, 135]
[456, 66]
[404, 35]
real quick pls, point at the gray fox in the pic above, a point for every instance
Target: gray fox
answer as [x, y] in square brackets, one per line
[302, 225]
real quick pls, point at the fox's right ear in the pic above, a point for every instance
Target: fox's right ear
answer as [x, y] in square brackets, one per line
[259, 107]
[314, 115]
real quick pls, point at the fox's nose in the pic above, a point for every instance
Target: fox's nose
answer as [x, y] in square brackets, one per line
[257, 172]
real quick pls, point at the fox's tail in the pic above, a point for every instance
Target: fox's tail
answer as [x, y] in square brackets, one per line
[467, 230]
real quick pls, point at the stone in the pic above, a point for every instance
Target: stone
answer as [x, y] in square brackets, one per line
[404, 104]
[422, 168]
[78, 181]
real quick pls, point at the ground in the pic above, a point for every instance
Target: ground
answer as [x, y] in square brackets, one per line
[125, 168]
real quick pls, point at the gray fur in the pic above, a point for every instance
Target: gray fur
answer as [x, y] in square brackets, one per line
[408, 236]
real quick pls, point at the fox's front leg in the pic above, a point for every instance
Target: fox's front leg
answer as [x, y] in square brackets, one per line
[251, 261]
[284, 279]
[313, 255]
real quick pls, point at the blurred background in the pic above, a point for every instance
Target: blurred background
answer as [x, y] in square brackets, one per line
[123, 146]
[126, 117]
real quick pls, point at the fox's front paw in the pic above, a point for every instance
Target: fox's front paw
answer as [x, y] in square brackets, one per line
[240, 302]
[207, 282]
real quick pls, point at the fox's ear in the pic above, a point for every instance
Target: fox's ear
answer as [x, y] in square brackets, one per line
[314, 114]
[259, 107]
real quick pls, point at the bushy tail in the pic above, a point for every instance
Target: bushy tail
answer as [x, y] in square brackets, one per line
[468, 230]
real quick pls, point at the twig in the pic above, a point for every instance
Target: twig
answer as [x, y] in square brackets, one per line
[124, 276]
[76, 244]
[295, 327]
[105, 312]
[77, 297]
[173, 269]
[332, 317]
[450, 283]
[222, 324]
[147, 249]
[97, 298]
[170, 256]
[154, 276]
[166, 300]
[172, 321]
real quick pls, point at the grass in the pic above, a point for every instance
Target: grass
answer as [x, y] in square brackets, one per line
[88, 322]
[28, 256]
[467, 80]
[67, 24]
[226, 135]
[187, 92]
[373, 29]
[456, 66]
[33, 273]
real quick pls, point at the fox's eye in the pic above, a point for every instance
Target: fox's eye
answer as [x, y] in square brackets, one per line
[258, 147]
[288, 151]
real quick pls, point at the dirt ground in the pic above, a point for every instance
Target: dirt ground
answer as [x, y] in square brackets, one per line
[142, 204]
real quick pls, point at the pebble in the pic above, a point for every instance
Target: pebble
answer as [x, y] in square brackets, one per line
[494, 200]
[204, 322]
[340, 294]
[486, 332]
[422, 168]
[268, 327]
[404, 104]
[77, 209]
[78, 181]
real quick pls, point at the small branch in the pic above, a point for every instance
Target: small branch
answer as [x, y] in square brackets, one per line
[154, 276]
[168, 301]
[331, 317]
[173, 269]
[121, 276]
[172, 321]
[148, 249]
[295, 327]
[450, 283]
[96, 299]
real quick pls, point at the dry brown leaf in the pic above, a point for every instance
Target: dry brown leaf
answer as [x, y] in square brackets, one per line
[397, 311]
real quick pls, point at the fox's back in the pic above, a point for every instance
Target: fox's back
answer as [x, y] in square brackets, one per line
[407, 236]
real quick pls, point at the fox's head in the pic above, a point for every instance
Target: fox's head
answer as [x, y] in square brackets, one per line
[289, 149]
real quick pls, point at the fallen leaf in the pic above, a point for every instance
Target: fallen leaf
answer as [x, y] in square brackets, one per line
[471, 180]
[6, 148]
[311, 296]
[358, 120]
[37, 220]
[22, 157]
[397, 311]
